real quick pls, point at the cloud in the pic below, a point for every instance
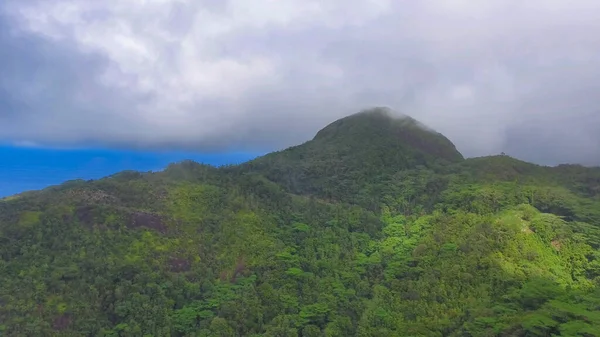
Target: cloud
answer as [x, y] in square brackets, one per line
[498, 75]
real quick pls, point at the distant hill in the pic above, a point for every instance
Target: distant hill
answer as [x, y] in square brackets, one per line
[376, 227]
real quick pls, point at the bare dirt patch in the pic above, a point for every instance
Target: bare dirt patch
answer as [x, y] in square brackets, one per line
[556, 244]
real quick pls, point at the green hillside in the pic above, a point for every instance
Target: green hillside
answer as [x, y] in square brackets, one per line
[376, 227]
[348, 156]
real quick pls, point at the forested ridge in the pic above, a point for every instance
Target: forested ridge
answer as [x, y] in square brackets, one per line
[376, 227]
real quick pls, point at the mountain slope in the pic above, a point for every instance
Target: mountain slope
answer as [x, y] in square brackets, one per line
[354, 151]
[376, 128]
[430, 246]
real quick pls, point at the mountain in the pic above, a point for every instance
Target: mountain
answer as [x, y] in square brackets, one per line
[378, 129]
[349, 154]
[376, 227]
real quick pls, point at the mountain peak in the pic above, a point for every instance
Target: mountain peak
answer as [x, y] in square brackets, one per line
[364, 145]
[392, 127]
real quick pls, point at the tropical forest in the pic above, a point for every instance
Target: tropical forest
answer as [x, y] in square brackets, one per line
[378, 226]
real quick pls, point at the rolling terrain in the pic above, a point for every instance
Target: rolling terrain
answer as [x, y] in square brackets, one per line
[377, 226]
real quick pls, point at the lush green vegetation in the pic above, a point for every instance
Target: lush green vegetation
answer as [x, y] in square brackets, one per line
[375, 228]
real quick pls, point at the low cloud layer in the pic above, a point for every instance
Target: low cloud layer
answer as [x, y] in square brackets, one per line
[493, 76]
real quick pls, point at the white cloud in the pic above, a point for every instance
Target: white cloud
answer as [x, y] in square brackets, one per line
[269, 73]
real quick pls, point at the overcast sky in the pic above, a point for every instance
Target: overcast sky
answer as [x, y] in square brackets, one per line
[498, 75]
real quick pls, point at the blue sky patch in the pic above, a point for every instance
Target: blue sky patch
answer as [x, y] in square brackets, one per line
[26, 168]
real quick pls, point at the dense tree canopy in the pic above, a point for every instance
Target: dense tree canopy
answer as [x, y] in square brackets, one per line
[374, 228]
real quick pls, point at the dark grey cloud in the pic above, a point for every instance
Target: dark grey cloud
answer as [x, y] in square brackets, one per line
[500, 75]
